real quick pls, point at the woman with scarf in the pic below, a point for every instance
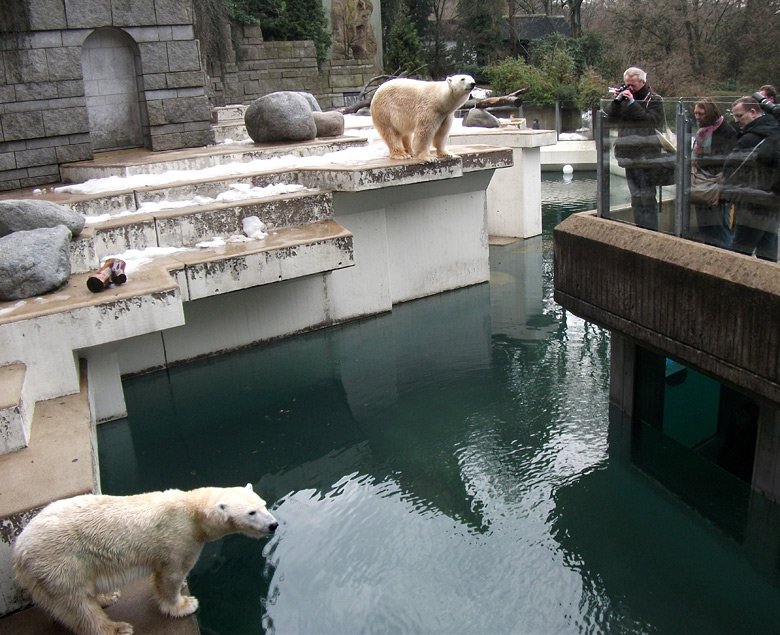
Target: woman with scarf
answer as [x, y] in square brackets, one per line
[713, 142]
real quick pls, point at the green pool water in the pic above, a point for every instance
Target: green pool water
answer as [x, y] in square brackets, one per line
[445, 468]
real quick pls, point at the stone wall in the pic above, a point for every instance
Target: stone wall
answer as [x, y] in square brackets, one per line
[61, 99]
[256, 68]
[44, 109]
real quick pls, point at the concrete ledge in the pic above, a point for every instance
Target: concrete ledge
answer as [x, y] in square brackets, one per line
[288, 253]
[16, 409]
[581, 155]
[658, 290]
[184, 227]
[60, 462]
[136, 606]
[382, 173]
[378, 173]
[138, 161]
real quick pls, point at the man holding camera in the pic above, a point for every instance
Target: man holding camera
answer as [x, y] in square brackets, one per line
[639, 112]
[767, 97]
[751, 180]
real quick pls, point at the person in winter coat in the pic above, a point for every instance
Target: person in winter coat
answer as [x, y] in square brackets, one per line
[638, 112]
[751, 177]
[712, 144]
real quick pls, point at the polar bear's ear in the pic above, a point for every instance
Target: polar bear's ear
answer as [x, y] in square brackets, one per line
[449, 79]
[249, 487]
[220, 509]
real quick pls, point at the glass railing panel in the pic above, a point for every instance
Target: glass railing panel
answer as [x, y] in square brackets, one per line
[688, 177]
[637, 167]
[712, 137]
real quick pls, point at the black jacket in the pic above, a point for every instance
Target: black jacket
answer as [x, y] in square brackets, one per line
[637, 143]
[751, 169]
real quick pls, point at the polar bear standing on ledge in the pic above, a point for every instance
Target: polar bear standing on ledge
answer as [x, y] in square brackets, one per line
[404, 107]
[75, 553]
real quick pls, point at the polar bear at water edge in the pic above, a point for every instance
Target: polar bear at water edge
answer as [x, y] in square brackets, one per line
[412, 115]
[77, 552]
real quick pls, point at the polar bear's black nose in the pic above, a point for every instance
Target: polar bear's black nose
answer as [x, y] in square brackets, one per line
[272, 527]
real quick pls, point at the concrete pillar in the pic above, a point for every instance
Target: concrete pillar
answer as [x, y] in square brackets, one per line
[514, 196]
[106, 396]
[621, 373]
[766, 466]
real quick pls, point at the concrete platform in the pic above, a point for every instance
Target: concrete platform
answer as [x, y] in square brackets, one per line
[136, 606]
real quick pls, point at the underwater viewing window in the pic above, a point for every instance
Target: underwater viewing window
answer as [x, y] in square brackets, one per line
[691, 432]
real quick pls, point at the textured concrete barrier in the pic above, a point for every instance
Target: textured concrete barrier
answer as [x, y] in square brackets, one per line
[707, 307]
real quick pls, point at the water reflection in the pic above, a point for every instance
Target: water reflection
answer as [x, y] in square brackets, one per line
[440, 469]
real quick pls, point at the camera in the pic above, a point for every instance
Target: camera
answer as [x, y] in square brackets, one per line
[766, 105]
[619, 91]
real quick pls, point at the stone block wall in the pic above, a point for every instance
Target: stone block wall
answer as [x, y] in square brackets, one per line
[49, 108]
[44, 118]
[261, 67]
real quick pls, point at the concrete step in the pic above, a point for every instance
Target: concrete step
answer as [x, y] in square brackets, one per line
[125, 163]
[229, 113]
[230, 131]
[59, 462]
[16, 408]
[286, 254]
[44, 332]
[190, 225]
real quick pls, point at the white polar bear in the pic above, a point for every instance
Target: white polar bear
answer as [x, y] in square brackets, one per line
[76, 553]
[404, 107]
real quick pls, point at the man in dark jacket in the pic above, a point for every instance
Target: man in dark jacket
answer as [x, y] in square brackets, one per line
[639, 112]
[751, 177]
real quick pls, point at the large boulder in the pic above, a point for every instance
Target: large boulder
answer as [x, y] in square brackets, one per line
[34, 262]
[280, 116]
[329, 124]
[23, 215]
[478, 118]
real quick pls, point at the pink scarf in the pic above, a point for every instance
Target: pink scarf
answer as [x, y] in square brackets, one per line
[702, 144]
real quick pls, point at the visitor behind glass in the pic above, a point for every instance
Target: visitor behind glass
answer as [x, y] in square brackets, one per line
[712, 144]
[751, 173]
[639, 112]
[768, 92]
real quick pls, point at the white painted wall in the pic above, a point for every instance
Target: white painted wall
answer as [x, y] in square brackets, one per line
[514, 197]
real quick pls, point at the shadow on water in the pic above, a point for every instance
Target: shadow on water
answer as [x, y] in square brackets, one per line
[441, 469]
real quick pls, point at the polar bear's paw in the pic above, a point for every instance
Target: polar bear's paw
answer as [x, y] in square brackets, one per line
[108, 599]
[186, 605]
[446, 154]
[120, 628]
[400, 156]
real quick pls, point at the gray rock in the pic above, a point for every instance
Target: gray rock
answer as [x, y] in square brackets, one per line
[329, 124]
[315, 107]
[23, 215]
[34, 262]
[478, 118]
[280, 116]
